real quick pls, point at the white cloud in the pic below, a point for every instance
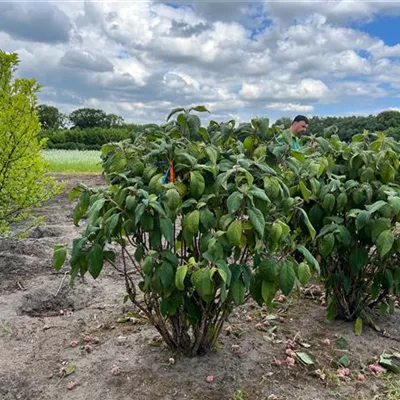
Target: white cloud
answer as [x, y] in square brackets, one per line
[141, 59]
[290, 107]
[307, 89]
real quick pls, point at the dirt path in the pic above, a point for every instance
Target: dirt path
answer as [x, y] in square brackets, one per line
[37, 328]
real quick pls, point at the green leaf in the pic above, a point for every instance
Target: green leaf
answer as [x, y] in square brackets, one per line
[304, 273]
[191, 221]
[306, 220]
[207, 218]
[331, 309]
[358, 259]
[358, 326]
[362, 219]
[234, 202]
[341, 342]
[287, 277]
[165, 275]
[167, 229]
[342, 361]
[234, 233]
[326, 244]
[304, 358]
[139, 212]
[376, 206]
[95, 260]
[310, 258]
[110, 224]
[212, 154]
[268, 291]
[59, 256]
[180, 277]
[81, 208]
[395, 203]
[384, 242]
[305, 191]
[95, 209]
[224, 271]
[197, 184]
[378, 226]
[74, 193]
[199, 109]
[174, 111]
[203, 284]
[238, 291]
[257, 220]
[259, 194]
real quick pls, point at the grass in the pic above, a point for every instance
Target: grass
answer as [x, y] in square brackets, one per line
[73, 161]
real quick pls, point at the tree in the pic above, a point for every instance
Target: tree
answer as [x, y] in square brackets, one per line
[50, 117]
[388, 119]
[114, 120]
[285, 121]
[23, 180]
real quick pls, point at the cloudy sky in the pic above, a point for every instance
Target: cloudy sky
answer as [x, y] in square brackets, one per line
[140, 58]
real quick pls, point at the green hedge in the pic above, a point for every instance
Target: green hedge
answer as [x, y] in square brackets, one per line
[90, 138]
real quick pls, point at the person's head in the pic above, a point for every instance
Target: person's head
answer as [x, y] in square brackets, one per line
[299, 125]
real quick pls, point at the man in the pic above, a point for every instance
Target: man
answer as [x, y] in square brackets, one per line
[297, 129]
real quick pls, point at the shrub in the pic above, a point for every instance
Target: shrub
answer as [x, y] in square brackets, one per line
[352, 196]
[23, 183]
[200, 227]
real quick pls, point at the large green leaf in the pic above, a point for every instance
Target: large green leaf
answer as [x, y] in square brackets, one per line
[59, 256]
[384, 242]
[167, 229]
[305, 191]
[287, 277]
[203, 284]
[326, 244]
[257, 220]
[304, 273]
[180, 277]
[238, 291]
[81, 208]
[207, 218]
[95, 260]
[310, 258]
[234, 233]
[166, 276]
[199, 109]
[197, 184]
[174, 111]
[191, 221]
[306, 220]
[234, 202]
[394, 201]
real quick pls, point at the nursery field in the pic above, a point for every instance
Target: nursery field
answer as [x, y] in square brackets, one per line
[82, 342]
[73, 161]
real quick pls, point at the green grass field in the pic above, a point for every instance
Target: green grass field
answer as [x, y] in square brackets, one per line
[73, 161]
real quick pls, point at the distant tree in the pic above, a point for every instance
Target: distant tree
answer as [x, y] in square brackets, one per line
[23, 180]
[388, 119]
[88, 118]
[114, 120]
[285, 121]
[50, 117]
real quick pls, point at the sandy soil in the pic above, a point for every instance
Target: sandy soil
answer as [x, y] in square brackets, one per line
[40, 315]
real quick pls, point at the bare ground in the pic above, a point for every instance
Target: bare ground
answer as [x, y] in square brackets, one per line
[41, 316]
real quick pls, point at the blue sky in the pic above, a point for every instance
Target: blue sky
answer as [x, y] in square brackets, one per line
[240, 59]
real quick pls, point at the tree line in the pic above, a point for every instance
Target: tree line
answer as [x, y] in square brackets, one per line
[347, 127]
[62, 130]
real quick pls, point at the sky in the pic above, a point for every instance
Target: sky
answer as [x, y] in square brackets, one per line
[139, 59]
